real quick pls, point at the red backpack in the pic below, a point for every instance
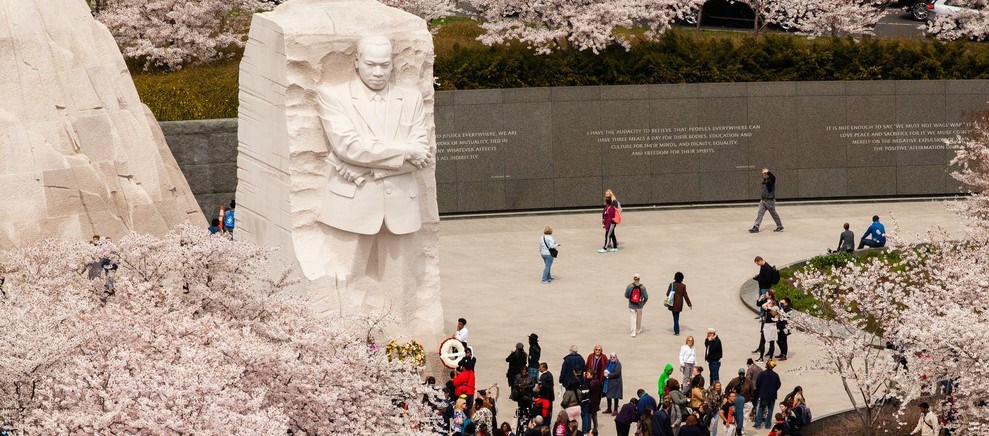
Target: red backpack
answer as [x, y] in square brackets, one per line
[636, 296]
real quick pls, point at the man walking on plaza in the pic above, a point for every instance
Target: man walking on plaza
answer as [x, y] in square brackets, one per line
[636, 295]
[767, 201]
[767, 387]
[712, 353]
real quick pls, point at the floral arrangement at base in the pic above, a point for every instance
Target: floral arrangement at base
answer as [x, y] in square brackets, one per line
[412, 352]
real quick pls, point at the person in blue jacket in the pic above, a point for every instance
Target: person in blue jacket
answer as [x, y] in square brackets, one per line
[877, 233]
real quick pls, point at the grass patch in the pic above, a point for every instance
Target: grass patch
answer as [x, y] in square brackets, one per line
[193, 93]
[802, 300]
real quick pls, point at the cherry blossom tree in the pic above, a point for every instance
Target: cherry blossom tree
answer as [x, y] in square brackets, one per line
[854, 302]
[187, 334]
[914, 324]
[549, 25]
[834, 18]
[426, 9]
[169, 34]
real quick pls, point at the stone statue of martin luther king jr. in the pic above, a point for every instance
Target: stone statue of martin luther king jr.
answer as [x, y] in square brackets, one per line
[379, 137]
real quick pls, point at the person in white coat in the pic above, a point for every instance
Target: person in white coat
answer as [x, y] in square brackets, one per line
[928, 424]
[688, 358]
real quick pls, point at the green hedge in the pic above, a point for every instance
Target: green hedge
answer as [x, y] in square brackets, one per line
[681, 56]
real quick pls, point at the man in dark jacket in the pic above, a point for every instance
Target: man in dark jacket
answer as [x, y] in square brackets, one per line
[765, 280]
[517, 361]
[544, 386]
[767, 201]
[646, 401]
[661, 425]
[767, 386]
[712, 354]
[573, 367]
[535, 352]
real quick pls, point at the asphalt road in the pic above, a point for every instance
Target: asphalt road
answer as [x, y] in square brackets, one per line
[899, 24]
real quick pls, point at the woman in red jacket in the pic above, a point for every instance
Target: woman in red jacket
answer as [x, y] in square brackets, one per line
[464, 383]
[608, 219]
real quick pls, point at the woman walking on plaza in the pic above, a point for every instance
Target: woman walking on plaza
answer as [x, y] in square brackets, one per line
[608, 219]
[547, 249]
[678, 292]
[688, 358]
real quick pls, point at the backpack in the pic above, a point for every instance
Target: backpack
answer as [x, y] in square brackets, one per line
[636, 296]
[228, 220]
[803, 414]
[774, 276]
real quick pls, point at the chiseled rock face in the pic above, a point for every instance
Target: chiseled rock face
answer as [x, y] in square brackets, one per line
[79, 153]
[284, 173]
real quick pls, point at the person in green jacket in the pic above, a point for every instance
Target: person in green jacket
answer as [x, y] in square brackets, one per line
[661, 386]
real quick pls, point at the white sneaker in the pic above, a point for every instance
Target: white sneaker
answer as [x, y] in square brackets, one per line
[602, 250]
[612, 250]
[633, 334]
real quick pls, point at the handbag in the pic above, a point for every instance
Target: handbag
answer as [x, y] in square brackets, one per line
[670, 297]
[552, 251]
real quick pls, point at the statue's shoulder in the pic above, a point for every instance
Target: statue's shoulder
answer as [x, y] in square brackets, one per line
[334, 90]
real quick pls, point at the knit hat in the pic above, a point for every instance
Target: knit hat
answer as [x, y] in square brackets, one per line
[741, 370]
[519, 346]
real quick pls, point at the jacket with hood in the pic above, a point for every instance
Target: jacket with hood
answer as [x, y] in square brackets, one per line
[663, 378]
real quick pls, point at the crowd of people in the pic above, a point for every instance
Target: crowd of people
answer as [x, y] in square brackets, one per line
[685, 403]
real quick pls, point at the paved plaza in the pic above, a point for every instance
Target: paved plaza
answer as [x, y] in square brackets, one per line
[491, 276]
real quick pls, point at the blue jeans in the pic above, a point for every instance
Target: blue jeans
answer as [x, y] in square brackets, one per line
[585, 418]
[714, 367]
[739, 412]
[765, 412]
[548, 260]
[762, 292]
[676, 322]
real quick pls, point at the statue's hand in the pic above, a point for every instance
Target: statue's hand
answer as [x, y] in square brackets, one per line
[418, 154]
[351, 172]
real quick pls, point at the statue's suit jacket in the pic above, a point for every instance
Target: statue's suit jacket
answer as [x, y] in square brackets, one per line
[389, 193]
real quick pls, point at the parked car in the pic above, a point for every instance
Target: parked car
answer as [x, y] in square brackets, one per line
[919, 9]
[948, 7]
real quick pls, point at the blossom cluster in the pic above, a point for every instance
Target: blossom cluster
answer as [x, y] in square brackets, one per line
[837, 18]
[188, 334]
[170, 34]
[549, 25]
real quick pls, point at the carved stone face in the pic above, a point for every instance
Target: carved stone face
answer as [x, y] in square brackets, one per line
[374, 65]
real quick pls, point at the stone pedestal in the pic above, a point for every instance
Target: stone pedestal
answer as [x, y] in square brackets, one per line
[286, 163]
[79, 153]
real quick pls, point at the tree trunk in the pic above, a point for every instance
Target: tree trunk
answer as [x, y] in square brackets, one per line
[700, 17]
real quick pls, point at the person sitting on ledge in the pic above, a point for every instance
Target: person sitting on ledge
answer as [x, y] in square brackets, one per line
[877, 233]
[846, 242]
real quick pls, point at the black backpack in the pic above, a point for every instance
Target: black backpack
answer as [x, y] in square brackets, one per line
[774, 276]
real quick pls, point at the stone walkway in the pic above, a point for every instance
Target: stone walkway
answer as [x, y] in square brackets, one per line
[491, 275]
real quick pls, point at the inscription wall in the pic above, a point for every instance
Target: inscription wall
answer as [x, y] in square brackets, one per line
[535, 148]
